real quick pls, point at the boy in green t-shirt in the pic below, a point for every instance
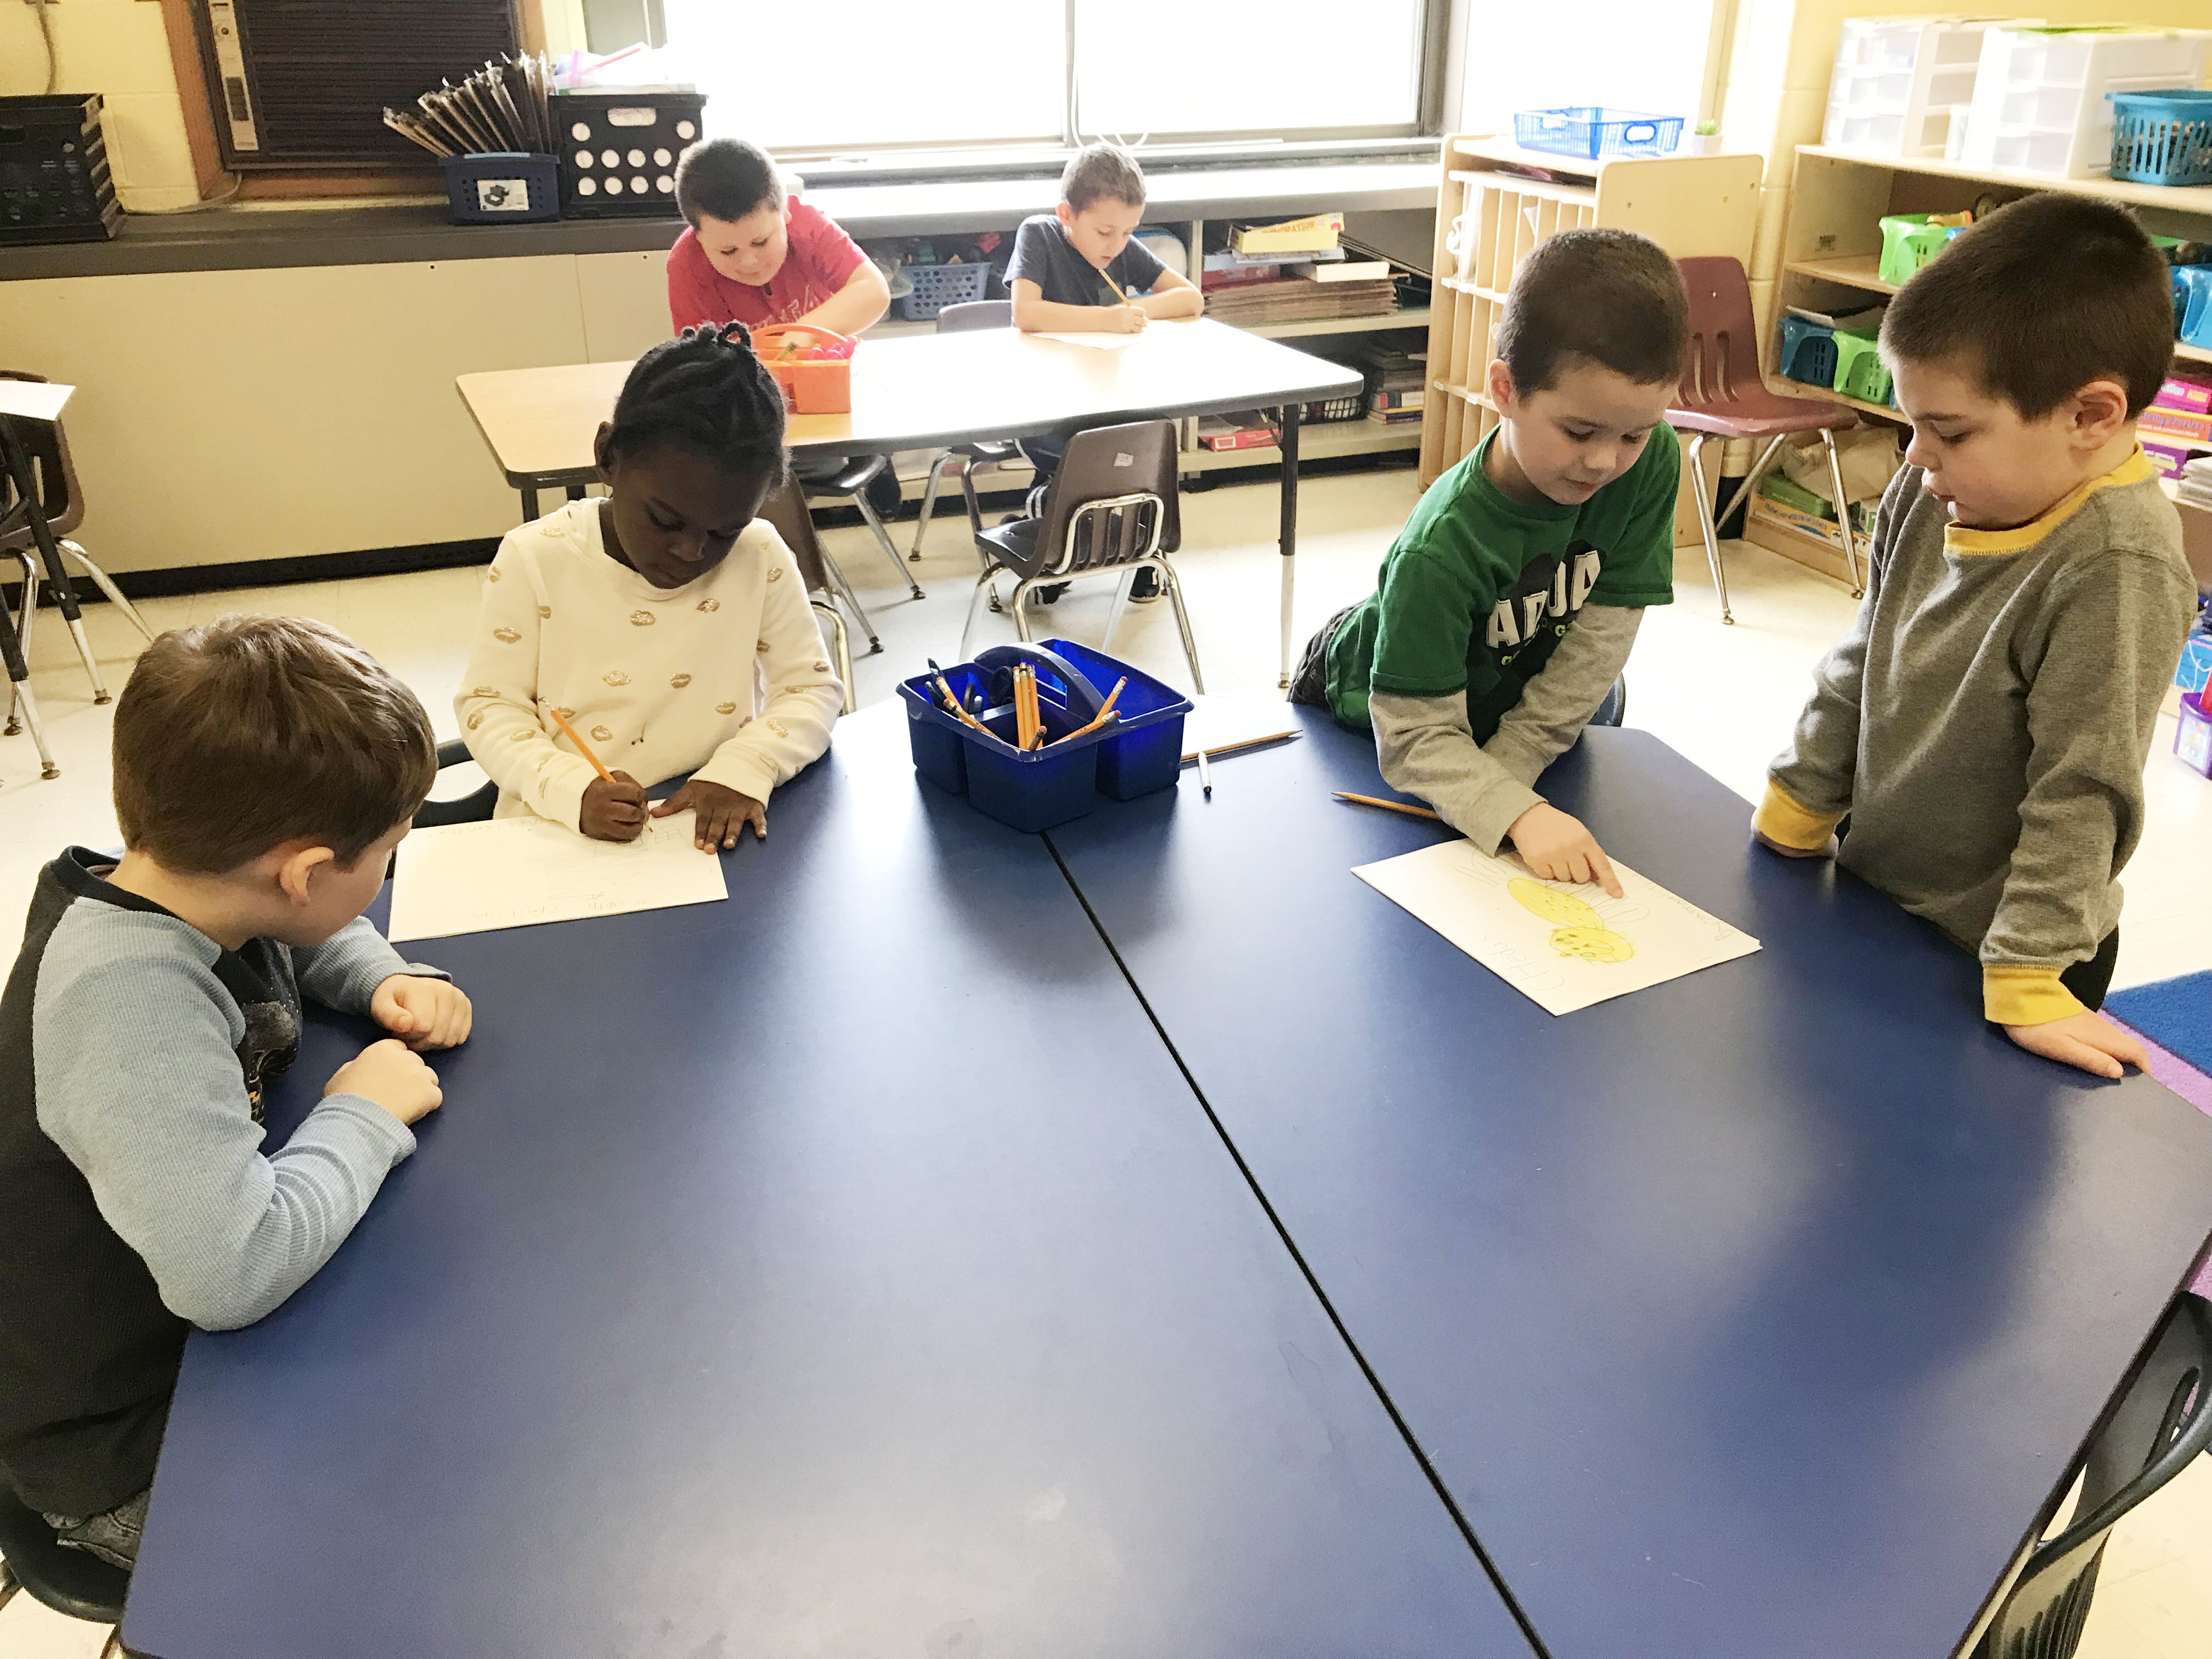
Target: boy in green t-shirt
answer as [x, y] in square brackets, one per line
[1506, 607]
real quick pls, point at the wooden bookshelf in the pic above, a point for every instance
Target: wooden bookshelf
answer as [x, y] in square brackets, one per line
[1689, 204]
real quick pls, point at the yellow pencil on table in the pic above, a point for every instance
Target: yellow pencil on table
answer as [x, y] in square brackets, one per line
[1390, 805]
[582, 748]
[1240, 745]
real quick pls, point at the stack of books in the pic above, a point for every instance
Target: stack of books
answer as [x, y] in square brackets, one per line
[2196, 487]
[2177, 425]
[1294, 272]
[1397, 381]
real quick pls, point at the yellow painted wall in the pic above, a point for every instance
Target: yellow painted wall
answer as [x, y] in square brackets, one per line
[1775, 92]
[120, 49]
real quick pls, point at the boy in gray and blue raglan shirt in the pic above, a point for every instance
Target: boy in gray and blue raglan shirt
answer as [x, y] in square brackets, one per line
[1978, 737]
[265, 768]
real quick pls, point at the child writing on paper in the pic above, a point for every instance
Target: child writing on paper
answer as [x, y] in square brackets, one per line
[265, 767]
[1505, 609]
[667, 622]
[1079, 271]
[753, 254]
[1986, 722]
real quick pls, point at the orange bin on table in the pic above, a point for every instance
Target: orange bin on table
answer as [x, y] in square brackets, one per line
[814, 367]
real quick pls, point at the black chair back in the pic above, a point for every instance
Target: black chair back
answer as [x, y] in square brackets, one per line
[2163, 1421]
[1104, 465]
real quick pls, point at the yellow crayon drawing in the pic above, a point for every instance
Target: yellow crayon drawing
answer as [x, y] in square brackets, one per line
[1579, 931]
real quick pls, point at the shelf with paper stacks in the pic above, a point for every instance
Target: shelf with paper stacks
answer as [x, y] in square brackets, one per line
[1490, 215]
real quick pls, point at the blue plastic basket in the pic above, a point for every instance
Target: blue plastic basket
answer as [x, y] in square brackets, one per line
[1139, 753]
[1808, 351]
[936, 287]
[2162, 137]
[1589, 131]
[2192, 304]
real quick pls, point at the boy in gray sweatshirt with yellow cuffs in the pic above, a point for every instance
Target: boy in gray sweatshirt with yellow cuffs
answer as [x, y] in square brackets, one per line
[1979, 735]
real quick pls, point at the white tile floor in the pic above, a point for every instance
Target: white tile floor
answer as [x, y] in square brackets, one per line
[1724, 696]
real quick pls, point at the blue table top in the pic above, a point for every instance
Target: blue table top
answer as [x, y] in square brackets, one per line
[843, 1270]
[1758, 1314]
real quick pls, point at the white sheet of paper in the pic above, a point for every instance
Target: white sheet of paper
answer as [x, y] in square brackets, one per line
[1561, 945]
[1096, 342]
[1217, 722]
[517, 872]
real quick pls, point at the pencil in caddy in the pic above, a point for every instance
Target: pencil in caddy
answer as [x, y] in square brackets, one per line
[813, 367]
[971, 745]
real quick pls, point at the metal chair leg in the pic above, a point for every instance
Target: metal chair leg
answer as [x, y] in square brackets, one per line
[114, 1649]
[1120, 603]
[852, 600]
[929, 500]
[1706, 525]
[24, 615]
[101, 580]
[1182, 619]
[985, 583]
[9, 1582]
[1020, 607]
[28, 705]
[840, 646]
[884, 541]
[1843, 513]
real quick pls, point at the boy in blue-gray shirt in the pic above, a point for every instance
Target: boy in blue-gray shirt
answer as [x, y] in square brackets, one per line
[265, 768]
[1079, 270]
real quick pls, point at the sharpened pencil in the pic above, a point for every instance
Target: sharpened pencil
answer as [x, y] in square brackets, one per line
[1240, 745]
[1390, 805]
[582, 748]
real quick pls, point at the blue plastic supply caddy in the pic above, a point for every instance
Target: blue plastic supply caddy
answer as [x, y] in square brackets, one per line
[1136, 754]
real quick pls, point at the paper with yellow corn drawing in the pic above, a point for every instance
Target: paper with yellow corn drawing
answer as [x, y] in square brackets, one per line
[1564, 946]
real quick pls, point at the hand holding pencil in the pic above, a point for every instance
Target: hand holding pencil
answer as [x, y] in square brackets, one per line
[613, 807]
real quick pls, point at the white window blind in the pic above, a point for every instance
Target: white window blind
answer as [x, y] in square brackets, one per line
[1230, 66]
[875, 72]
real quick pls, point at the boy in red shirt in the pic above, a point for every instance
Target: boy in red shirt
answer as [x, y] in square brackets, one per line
[754, 256]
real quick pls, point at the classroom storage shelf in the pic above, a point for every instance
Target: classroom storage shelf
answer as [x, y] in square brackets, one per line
[1490, 215]
[1832, 250]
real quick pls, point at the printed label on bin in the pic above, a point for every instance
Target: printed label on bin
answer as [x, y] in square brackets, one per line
[503, 195]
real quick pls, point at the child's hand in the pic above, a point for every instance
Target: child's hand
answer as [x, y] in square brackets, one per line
[1126, 319]
[1556, 847]
[1827, 849]
[2089, 1041]
[613, 811]
[722, 813]
[391, 1076]
[422, 1013]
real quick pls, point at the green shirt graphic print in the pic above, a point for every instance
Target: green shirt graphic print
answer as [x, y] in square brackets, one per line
[1478, 590]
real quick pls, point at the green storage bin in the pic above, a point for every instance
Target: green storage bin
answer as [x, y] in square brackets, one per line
[1859, 372]
[1910, 241]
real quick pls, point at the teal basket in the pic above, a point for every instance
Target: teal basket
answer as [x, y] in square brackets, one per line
[1589, 131]
[2162, 137]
